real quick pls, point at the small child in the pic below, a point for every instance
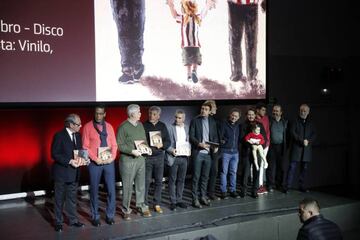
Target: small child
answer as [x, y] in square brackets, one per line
[190, 22]
[256, 140]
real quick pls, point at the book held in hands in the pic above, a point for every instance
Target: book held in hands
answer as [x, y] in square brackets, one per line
[83, 153]
[143, 147]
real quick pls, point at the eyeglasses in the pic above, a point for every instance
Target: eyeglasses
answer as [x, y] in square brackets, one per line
[77, 124]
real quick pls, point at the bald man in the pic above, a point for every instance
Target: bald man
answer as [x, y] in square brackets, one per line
[315, 226]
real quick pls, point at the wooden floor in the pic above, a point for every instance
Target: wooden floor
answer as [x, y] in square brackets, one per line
[33, 218]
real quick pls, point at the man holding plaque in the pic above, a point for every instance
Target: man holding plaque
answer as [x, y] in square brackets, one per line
[99, 139]
[132, 161]
[177, 159]
[65, 170]
[158, 138]
[204, 139]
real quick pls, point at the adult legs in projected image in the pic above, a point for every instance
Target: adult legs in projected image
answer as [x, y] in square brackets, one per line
[129, 16]
[243, 19]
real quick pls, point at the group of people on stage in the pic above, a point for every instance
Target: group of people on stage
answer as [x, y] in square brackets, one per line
[207, 143]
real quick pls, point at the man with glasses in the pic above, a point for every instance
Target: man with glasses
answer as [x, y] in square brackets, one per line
[65, 170]
[99, 137]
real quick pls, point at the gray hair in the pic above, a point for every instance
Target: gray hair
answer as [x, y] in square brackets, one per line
[180, 111]
[131, 109]
[155, 109]
[71, 118]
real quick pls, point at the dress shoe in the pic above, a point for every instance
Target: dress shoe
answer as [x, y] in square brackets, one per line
[172, 206]
[213, 197]
[224, 195]
[95, 222]
[254, 195]
[58, 228]
[146, 213]
[304, 190]
[77, 224]
[234, 194]
[126, 216]
[109, 221]
[204, 201]
[196, 204]
[242, 194]
[182, 205]
[158, 209]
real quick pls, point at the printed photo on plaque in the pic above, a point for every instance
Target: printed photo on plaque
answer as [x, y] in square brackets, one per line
[183, 149]
[104, 153]
[142, 146]
[155, 138]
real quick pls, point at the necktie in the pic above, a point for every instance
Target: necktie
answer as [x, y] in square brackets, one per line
[74, 140]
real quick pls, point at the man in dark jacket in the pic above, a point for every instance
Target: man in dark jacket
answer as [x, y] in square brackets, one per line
[247, 156]
[229, 148]
[302, 133]
[65, 170]
[158, 137]
[315, 226]
[204, 141]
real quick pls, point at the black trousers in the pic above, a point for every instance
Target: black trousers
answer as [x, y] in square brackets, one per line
[248, 160]
[213, 173]
[243, 19]
[275, 171]
[154, 167]
[65, 193]
[129, 16]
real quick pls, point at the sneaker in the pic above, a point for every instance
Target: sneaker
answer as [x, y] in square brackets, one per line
[234, 194]
[181, 205]
[194, 77]
[261, 190]
[158, 209]
[139, 72]
[96, 222]
[126, 79]
[126, 216]
[196, 204]
[146, 213]
[213, 197]
[109, 221]
[224, 195]
[205, 201]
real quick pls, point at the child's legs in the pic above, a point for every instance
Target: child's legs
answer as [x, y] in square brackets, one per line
[254, 153]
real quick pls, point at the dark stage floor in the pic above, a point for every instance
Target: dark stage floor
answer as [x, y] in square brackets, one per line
[33, 218]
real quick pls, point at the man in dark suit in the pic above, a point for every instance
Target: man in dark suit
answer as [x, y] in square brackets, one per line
[65, 170]
[315, 226]
[203, 131]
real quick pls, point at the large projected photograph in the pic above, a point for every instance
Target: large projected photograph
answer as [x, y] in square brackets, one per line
[131, 50]
[180, 50]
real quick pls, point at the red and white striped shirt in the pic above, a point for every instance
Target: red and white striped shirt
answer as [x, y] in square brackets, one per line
[189, 32]
[244, 2]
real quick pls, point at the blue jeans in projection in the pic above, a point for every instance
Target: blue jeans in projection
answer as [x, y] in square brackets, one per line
[229, 166]
[129, 16]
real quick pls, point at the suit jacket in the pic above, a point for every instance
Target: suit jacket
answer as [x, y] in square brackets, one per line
[62, 151]
[196, 135]
[169, 158]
